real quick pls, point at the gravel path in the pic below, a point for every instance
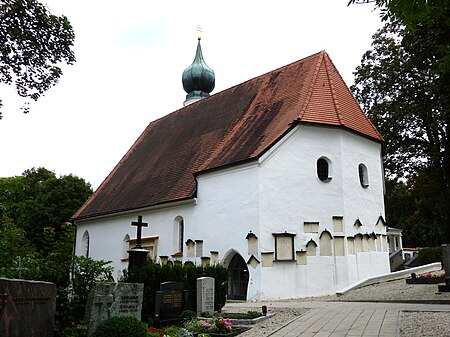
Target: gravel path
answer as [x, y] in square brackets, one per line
[413, 324]
[425, 324]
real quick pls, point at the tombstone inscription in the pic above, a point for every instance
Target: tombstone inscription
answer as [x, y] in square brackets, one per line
[27, 308]
[205, 295]
[111, 300]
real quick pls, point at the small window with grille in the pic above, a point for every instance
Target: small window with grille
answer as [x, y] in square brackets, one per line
[363, 176]
[323, 169]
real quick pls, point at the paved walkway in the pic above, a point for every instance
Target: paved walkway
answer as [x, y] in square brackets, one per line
[349, 319]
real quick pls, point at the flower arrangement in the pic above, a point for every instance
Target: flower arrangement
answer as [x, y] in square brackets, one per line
[433, 277]
[217, 325]
[433, 274]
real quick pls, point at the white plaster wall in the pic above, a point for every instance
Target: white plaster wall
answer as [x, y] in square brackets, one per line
[227, 211]
[291, 194]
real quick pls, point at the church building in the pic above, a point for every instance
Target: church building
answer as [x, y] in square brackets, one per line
[279, 178]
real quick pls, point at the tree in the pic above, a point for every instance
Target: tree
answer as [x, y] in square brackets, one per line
[18, 257]
[38, 200]
[401, 91]
[33, 43]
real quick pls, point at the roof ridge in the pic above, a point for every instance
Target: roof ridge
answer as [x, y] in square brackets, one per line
[333, 90]
[356, 102]
[311, 88]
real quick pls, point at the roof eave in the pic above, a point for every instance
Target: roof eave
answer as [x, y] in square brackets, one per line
[166, 204]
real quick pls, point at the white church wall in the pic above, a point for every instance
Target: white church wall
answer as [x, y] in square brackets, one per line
[279, 194]
[369, 200]
[226, 212]
[291, 194]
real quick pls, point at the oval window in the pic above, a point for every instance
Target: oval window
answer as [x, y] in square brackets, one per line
[363, 176]
[323, 169]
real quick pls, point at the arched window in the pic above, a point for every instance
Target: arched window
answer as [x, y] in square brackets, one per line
[125, 246]
[85, 244]
[178, 234]
[324, 169]
[363, 175]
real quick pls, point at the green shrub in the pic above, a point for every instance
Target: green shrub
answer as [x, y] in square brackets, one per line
[247, 315]
[120, 327]
[430, 255]
[187, 315]
[171, 331]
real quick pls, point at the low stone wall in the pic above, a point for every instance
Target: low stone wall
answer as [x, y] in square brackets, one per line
[392, 276]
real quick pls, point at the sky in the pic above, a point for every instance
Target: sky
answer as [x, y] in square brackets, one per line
[130, 58]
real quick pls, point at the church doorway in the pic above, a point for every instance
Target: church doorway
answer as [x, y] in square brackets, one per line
[237, 278]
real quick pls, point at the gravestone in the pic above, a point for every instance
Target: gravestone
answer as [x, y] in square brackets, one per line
[171, 300]
[205, 295]
[446, 259]
[27, 308]
[446, 263]
[111, 300]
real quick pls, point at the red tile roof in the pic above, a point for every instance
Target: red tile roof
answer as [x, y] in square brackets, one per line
[232, 126]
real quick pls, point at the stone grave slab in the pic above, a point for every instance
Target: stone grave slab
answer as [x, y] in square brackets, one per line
[27, 308]
[170, 302]
[205, 295]
[111, 300]
[446, 264]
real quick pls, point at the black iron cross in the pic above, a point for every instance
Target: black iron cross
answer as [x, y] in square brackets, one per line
[139, 225]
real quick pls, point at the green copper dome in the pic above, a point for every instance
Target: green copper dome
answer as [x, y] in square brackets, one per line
[198, 78]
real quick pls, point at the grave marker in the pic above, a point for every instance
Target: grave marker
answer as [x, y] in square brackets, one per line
[137, 256]
[446, 264]
[27, 308]
[170, 301]
[205, 295]
[446, 259]
[111, 300]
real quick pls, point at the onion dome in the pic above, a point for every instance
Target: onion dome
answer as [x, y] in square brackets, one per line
[198, 78]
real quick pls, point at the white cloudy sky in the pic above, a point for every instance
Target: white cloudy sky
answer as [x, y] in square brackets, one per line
[130, 57]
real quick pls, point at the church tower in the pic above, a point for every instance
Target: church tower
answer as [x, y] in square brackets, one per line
[198, 79]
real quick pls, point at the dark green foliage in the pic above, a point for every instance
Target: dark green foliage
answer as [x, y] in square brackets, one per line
[430, 255]
[34, 210]
[33, 43]
[72, 300]
[187, 315]
[403, 91]
[121, 327]
[414, 207]
[153, 274]
[39, 199]
[246, 315]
